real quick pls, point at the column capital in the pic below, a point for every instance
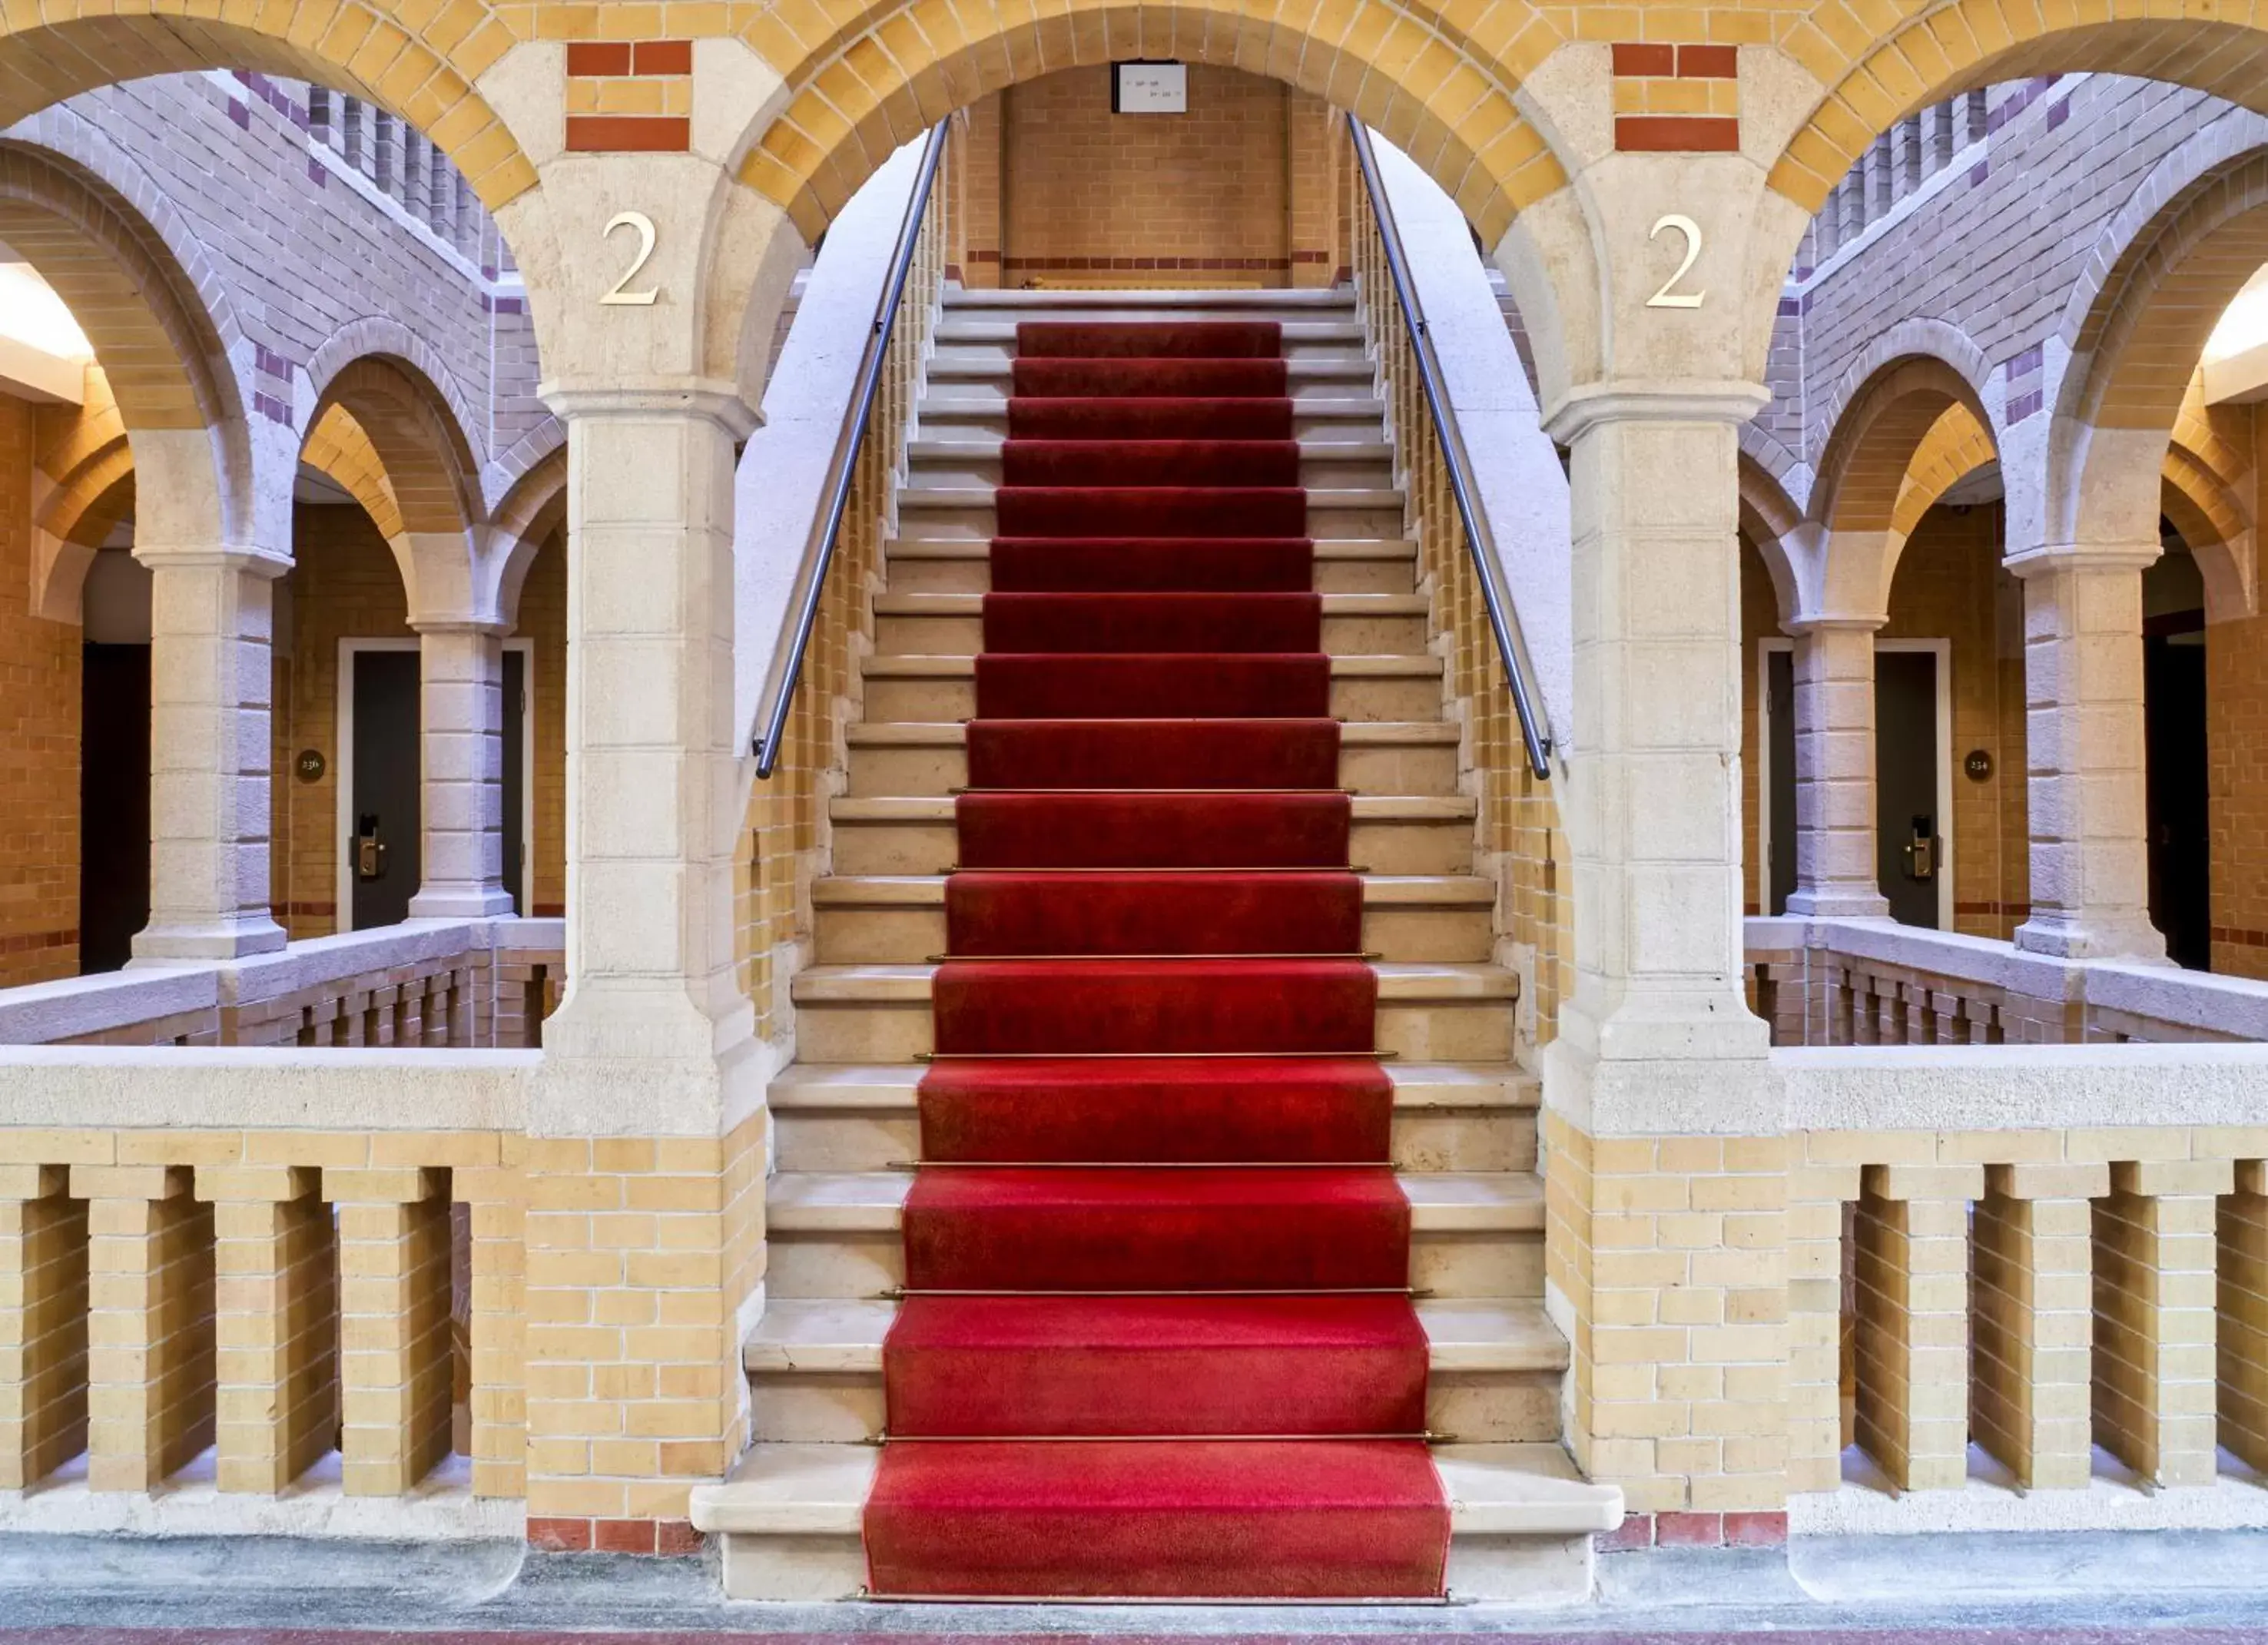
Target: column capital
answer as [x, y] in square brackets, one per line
[718, 401]
[1701, 400]
[486, 627]
[1802, 627]
[265, 563]
[2049, 559]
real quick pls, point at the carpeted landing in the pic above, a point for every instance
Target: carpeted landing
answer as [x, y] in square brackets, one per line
[1157, 1340]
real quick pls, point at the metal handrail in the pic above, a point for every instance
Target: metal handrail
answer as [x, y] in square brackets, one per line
[819, 549]
[1535, 730]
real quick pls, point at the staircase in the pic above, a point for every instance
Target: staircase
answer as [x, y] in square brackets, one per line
[801, 1517]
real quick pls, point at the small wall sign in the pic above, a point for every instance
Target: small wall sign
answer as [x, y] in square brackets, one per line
[310, 765]
[1149, 88]
[1978, 766]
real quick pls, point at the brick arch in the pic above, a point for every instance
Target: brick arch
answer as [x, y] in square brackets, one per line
[1955, 447]
[383, 336]
[427, 463]
[530, 516]
[1871, 448]
[2138, 330]
[420, 61]
[2212, 520]
[144, 311]
[862, 83]
[339, 448]
[1772, 522]
[1875, 80]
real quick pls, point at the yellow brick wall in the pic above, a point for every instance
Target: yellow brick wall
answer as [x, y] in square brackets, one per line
[38, 740]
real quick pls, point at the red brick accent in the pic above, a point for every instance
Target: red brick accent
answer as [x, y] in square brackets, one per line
[1708, 62]
[1674, 134]
[560, 1535]
[628, 134]
[1631, 57]
[1635, 1532]
[1689, 1531]
[667, 1537]
[598, 57]
[1755, 1530]
[665, 56]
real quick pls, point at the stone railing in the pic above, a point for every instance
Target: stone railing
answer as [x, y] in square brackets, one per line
[400, 163]
[785, 476]
[2028, 1287]
[1520, 480]
[428, 985]
[1873, 983]
[261, 1290]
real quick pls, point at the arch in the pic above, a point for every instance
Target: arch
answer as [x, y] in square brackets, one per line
[504, 475]
[159, 345]
[72, 523]
[420, 446]
[1955, 447]
[1938, 52]
[383, 336]
[534, 513]
[338, 447]
[1438, 88]
[418, 62]
[1881, 424]
[2212, 520]
[1774, 525]
[1914, 337]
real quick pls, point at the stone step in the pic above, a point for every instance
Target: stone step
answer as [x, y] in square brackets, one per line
[1315, 420]
[963, 331]
[1438, 1011]
[913, 757]
[1473, 1234]
[1520, 1522]
[1365, 689]
[953, 625]
[895, 920]
[1347, 375]
[815, 1369]
[962, 351]
[914, 834]
[966, 512]
[973, 461]
[1447, 1116]
[1356, 565]
[1165, 304]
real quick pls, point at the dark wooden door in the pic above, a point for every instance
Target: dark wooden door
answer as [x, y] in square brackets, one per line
[1907, 828]
[383, 806]
[113, 803]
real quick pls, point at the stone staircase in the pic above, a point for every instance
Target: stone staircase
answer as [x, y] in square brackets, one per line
[1464, 1135]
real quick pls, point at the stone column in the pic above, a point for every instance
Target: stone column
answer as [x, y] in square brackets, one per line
[43, 1324]
[2155, 1265]
[1911, 1321]
[1659, 1083]
[2032, 1313]
[210, 676]
[1837, 869]
[2090, 880]
[149, 1325]
[275, 1313]
[651, 1095]
[460, 703]
[394, 1366]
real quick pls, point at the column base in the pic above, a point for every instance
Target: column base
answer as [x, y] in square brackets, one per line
[465, 902]
[234, 938]
[2132, 942]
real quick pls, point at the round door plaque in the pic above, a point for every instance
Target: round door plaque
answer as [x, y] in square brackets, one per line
[310, 765]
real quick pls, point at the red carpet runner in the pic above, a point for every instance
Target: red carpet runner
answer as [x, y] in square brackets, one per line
[1157, 1341]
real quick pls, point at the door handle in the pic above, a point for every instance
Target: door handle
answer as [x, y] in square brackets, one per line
[1921, 851]
[370, 850]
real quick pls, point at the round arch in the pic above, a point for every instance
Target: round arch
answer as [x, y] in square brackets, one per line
[1438, 86]
[419, 62]
[423, 455]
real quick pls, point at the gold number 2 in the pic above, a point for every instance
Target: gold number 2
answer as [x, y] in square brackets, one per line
[1665, 297]
[644, 226]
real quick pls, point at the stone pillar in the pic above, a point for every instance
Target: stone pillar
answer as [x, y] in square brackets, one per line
[2241, 1346]
[2155, 1303]
[43, 1324]
[2090, 880]
[149, 1326]
[651, 1095]
[395, 1365]
[1818, 1194]
[1911, 1322]
[210, 676]
[1666, 1248]
[274, 1323]
[2032, 1311]
[461, 701]
[1837, 869]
